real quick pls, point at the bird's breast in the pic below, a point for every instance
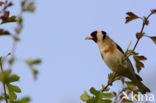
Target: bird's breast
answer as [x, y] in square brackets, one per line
[112, 60]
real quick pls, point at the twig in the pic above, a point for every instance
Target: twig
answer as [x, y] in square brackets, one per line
[18, 28]
[110, 82]
[142, 29]
[143, 26]
[4, 87]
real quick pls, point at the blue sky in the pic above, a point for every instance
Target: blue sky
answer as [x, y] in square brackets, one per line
[55, 33]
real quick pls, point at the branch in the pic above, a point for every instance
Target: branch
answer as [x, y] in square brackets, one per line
[142, 29]
[4, 87]
[18, 29]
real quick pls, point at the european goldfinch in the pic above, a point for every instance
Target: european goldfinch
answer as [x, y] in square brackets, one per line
[112, 55]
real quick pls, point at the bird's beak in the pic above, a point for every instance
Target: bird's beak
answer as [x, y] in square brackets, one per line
[89, 38]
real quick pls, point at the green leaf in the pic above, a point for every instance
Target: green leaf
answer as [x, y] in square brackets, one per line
[38, 61]
[33, 62]
[92, 100]
[11, 93]
[110, 76]
[13, 78]
[14, 88]
[23, 100]
[94, 91]
[107, 95]
[99, 96]
[4, 75]
[85, 96]
[106, 101]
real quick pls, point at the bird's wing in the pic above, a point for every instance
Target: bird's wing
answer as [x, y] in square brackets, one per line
[120, 49]
[131, 70]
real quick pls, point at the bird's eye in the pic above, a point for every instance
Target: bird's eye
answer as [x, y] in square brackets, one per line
[93, 34]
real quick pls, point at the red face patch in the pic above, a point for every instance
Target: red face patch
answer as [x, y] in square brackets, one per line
[94, 35]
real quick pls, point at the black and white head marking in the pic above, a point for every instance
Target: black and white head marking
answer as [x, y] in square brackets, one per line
[104, 34]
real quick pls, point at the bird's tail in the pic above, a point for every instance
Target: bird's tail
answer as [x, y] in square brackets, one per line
[138, 82]
[142, 88]
[136, 79]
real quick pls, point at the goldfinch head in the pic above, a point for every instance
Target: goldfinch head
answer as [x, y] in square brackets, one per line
[97, 36]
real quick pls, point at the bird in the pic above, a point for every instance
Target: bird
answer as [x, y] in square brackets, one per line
[112, 54]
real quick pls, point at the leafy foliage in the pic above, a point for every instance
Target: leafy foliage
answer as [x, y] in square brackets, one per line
[98, 96]
[7, 78]
[9, 93]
